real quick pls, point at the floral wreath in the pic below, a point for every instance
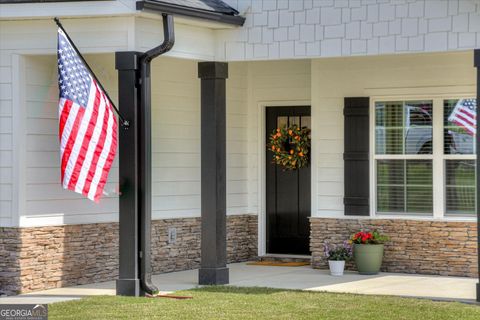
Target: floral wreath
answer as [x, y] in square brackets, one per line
[290, 146]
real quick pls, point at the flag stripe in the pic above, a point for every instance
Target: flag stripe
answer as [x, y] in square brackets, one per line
[70, 142]
[96, 192]
[466, 120]
[110, 156]
[468, 113]
[65, 108]
[77, 146]
[85, 144]
[96, 153]
[95, 141]
[69, 111]
[87, 126]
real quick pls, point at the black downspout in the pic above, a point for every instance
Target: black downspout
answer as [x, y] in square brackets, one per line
[145, 155]
[476, 54]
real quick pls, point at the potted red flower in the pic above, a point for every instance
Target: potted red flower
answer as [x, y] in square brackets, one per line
[368, 251]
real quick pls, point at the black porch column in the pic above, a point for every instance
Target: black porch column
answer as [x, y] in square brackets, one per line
[128, 282]
[477, 65]
[213, 267]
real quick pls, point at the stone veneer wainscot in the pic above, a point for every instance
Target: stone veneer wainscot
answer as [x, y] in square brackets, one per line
[40, 258]
[447, 248]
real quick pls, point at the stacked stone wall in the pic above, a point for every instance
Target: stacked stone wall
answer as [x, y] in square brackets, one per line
[446, 248]
[40, 258]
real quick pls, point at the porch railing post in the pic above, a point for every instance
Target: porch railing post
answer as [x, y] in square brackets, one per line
[477, 65]
[213, 267]
[128, 282]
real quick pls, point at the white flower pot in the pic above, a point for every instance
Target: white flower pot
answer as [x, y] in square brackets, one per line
[336, 267]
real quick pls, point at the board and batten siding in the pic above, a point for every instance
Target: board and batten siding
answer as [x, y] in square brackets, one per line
[389, 77]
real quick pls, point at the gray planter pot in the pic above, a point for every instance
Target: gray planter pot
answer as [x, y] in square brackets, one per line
[368, 257]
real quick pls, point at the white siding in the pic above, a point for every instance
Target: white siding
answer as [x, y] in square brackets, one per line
[45, 200]
[176, 144]
[176, 139]
[387, 76]
[29, 192]
[18, 40]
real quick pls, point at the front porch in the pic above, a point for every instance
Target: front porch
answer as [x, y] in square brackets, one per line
[441, 241]
[297, 278]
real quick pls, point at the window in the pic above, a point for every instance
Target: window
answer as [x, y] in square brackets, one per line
[403, 148]
[414, 152]
[459, 120]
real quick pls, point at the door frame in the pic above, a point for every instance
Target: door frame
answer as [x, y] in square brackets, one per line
[261, 170]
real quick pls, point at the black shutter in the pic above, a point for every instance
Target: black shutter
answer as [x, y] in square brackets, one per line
[356, 156]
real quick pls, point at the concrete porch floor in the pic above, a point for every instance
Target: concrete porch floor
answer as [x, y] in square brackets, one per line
[303, 278]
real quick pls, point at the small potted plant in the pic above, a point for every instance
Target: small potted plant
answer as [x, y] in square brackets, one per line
[336, 256]
[368, 251]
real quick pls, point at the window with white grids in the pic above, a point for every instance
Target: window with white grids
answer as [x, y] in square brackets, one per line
[424, 157]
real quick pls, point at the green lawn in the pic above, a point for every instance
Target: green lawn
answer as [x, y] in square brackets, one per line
[262, 303]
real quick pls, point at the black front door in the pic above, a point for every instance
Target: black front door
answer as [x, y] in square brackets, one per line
[287, 191]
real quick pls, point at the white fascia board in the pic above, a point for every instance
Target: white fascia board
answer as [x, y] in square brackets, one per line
[66, 9]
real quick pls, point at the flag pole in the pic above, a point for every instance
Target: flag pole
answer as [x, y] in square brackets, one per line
[124, 123]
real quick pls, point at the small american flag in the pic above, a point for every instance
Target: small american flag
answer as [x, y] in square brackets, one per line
[465, 115]
[88, 127]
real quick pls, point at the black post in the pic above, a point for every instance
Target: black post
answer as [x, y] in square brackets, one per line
[213, 267]
[128, 282]
[477, 65]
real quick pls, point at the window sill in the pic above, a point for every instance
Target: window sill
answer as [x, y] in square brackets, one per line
[425, 218]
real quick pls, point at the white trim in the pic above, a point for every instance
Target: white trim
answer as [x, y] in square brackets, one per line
[71, 9]
[438, 159]
[61, 219]
[261, 107]
[404, 217]
[437, 166]
[371, 157]
[403, 156]
[19, 139]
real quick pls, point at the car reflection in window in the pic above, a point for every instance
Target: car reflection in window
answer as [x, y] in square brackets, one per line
[418, 129]
[458, 142]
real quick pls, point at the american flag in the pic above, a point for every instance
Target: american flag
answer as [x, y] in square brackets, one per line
[465, 115]
[88, 127]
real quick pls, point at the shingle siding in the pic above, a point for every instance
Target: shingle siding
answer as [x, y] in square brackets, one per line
[346, 28]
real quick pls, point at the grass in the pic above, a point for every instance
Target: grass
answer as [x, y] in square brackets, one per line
[228, 302]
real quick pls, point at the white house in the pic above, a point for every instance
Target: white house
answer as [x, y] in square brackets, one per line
[376, 81]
